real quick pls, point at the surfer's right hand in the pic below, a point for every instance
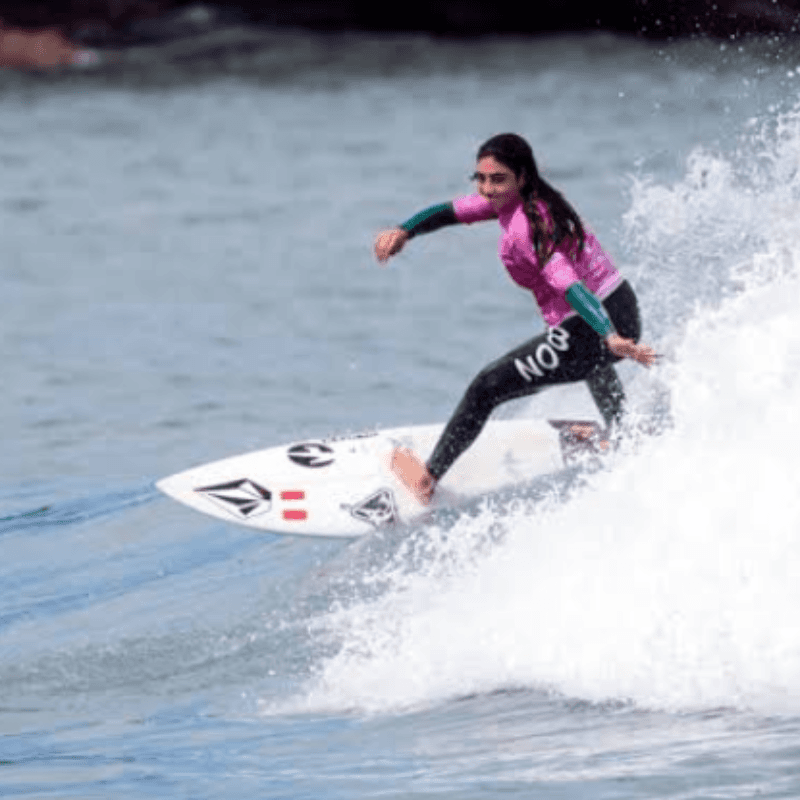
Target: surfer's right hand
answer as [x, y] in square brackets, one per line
[388, 243]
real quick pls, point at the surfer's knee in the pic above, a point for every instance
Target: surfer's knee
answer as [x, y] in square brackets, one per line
[486, 389]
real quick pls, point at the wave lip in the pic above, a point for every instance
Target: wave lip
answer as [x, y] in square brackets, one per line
[670, 580]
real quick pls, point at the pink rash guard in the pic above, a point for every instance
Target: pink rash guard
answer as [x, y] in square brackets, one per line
[550, 282]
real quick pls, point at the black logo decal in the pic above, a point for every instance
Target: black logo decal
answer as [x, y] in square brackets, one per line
[311, 454]
[378, 509]
[244, 498]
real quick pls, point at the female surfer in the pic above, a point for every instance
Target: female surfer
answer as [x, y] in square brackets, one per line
[590, 310]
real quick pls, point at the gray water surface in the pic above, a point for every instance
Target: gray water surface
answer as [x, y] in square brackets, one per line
[186, 273]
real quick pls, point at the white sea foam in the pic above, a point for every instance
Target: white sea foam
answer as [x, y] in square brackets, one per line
[673, 578]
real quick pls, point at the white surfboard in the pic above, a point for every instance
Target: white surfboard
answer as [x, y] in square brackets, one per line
[344, 487]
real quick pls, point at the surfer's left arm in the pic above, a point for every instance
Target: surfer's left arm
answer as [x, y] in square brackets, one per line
[560, 274]
[627, 348]
[591, 309]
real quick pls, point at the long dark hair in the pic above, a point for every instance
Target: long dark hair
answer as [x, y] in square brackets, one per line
[515, 153]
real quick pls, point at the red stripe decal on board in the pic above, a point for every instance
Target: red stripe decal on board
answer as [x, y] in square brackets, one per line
[293, 495]
[295, 514]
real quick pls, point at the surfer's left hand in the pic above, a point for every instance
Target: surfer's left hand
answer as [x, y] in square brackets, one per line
[627, 348]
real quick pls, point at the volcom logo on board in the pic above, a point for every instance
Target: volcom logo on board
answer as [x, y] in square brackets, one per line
[311, 454]
[244, 498]
[378, 509]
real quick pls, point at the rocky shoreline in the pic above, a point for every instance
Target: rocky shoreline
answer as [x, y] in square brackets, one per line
[62, 32]
[647, 18]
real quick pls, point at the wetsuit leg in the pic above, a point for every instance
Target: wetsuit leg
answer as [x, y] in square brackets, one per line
[607, 393]
[564, 354]
[622, 307]
[494, 385]
[603, 382]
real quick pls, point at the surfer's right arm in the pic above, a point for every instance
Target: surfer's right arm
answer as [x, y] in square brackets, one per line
[390, 242]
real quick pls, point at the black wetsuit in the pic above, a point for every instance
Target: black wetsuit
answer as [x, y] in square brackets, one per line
[567, 353]
[572, 351]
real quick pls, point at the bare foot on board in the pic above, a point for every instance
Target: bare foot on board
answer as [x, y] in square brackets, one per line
[407, 466]
[586, 432]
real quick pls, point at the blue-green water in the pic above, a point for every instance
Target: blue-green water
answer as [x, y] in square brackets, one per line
[186, 274]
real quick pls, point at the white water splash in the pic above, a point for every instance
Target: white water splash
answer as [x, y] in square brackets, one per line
[672, 579]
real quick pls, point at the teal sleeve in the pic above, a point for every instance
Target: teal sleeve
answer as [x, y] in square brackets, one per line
[430, 219]
[590, 308]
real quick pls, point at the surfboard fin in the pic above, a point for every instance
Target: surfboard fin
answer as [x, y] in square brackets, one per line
[413, 474]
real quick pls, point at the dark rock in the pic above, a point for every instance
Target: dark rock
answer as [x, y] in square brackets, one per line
[119, 22]
[188, 20]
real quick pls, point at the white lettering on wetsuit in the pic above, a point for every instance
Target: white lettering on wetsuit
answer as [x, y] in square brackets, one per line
[546, 355]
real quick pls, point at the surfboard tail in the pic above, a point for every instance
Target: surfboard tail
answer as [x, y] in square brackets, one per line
[580, 438]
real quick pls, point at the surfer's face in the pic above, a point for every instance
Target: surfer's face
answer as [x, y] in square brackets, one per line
[497, 182]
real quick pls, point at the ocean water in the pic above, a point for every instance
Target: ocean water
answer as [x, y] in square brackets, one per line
[186, 273]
